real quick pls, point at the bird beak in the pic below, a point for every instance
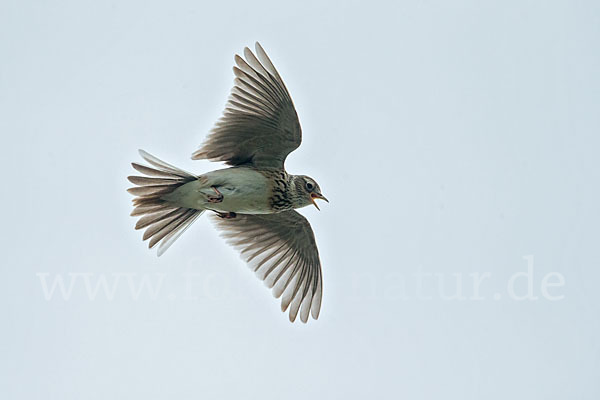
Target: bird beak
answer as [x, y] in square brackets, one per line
[314, 196]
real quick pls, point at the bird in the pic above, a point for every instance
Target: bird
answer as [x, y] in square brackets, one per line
[253, 200]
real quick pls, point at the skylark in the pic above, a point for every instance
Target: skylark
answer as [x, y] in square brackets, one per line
[254, 200]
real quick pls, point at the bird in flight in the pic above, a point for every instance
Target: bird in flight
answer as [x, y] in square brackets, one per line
[254, 201]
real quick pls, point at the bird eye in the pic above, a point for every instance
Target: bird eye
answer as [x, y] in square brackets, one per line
[310, 186]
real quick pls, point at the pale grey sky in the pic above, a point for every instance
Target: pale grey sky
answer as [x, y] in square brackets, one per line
[458, 144]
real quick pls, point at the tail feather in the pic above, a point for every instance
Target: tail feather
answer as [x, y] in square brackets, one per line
[148, 209]
[151, 171]
[164, 166]
[153, 217]
[170, 225]
[160, 223]
[152, 190]
[172, 236]
[144, 181]
[164, 222]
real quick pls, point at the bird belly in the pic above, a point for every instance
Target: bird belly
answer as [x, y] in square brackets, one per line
[243, 190]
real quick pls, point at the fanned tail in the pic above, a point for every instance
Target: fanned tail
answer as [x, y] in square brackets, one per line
[164, 222]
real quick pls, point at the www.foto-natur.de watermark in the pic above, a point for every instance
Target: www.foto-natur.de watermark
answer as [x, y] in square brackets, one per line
[521, 285]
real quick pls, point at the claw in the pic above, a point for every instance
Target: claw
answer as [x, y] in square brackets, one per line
[227, 215]
[215, 199]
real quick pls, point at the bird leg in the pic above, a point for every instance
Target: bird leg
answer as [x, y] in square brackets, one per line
[227, 215]
[215, 199]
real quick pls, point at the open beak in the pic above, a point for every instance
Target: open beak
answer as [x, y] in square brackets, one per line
[314, 196]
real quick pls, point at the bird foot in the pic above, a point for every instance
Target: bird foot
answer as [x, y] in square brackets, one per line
[227, 215]
[215, 199]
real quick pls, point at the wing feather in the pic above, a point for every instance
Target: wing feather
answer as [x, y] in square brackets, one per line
[282, 251]
[260, 125]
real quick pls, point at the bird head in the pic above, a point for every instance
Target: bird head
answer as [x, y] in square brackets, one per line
[307, 191]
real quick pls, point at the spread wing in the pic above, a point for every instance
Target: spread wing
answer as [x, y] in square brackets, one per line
[281, 249]
[259, 126]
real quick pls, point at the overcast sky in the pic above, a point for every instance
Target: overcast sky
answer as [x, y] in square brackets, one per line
[456, 140]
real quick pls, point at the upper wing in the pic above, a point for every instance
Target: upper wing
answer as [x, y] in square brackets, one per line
[281, 249]
[259, 125]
